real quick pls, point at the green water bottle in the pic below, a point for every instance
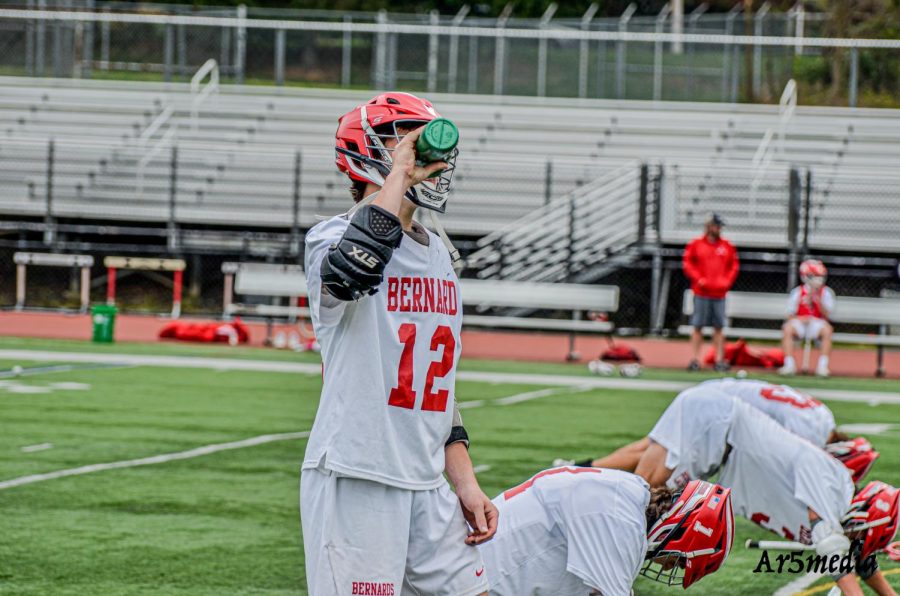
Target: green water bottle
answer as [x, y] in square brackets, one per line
[437, 141]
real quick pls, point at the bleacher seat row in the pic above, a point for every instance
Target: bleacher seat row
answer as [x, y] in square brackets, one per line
[236, 166]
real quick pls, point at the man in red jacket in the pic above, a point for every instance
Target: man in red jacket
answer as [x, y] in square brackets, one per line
[711, 264]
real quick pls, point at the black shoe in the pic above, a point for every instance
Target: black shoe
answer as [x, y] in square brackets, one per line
[694, 366]
[722, 367]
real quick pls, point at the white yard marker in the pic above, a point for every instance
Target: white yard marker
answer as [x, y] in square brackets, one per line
[70, 386]
[481, 468]
[798, 585]
[864, 428]
[156, 459]
[38, 447]
[27, 389]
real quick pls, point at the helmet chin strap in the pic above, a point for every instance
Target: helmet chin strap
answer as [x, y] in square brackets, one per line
[455, 259]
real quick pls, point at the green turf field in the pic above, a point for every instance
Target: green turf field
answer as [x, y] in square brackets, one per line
[227, 522]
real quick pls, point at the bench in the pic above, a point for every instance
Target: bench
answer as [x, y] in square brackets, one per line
[264, 279]
[883, 312]
[261, 279]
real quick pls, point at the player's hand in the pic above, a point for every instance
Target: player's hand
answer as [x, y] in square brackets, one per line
[480, 513]
[404, 158]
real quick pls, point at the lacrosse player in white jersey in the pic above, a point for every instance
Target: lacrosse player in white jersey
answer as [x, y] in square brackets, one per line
[779, 480]
[571, 531]
[378, 516]
[799, 413]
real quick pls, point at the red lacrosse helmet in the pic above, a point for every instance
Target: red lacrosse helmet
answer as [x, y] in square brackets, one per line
[857, 454]
[813, 272]
[876, 510]
[693, 538]
[360, 150]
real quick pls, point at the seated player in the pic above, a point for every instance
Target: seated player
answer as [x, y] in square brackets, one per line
[809, 306]
[576, 531]
[795, 411]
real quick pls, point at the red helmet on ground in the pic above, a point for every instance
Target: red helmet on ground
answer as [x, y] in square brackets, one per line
[693, 538]
[360, 150]
[876, 510]
[813, 271]
[857, 454]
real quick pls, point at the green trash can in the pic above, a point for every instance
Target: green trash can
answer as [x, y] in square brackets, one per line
[104, 319]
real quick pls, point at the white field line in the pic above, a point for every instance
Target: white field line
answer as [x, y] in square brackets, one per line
[870, 397]
[34, 448]
[798, 585]
[155, 459]
[208, 449]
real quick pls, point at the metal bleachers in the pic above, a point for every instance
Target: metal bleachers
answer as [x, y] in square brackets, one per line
[113, 147]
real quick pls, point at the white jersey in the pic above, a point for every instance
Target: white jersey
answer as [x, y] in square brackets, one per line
[693, 430]
[799, 413]
[569, 531]
[389, 365]
[776, 476]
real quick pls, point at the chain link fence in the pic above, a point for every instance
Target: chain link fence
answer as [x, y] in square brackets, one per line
[365, 50]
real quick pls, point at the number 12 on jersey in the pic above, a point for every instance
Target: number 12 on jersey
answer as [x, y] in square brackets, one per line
[403, 395]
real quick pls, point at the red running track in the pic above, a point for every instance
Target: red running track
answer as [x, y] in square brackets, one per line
[538, 347]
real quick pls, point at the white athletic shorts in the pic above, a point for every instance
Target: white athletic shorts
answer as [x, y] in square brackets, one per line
[808, 328]
[364, 537]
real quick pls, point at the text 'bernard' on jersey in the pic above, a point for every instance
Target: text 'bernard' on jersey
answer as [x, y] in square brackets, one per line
[389, 365]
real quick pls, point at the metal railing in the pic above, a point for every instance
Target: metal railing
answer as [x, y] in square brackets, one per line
[637, 54]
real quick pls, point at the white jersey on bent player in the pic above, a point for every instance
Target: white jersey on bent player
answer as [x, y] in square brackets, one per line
[795, 411]
[569, 531]
[389, 365]
[776, 476]
[693, 430]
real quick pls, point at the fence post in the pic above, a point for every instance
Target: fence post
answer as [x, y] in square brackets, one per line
[280, 35]
[168, 53]
[473, 64]
[542, 51]
[49, 224]
[692, 28]
[729, 30]
[453, 67]
[378, 72]
[104, 42]
[807, 207]
[657, 201]
[87, 56]
[621, 49]
[225, 49]
[584, 50]
[295, 204]
[29, 42]
[500, 51]
[40, 41]
[240, 46]
[182, 50]
[173, 196]
[758, 19]
[346, 52]
[434, 19]
[854, 76]
[57, 48]
[548, 182]
[642, 204]
[657, 53]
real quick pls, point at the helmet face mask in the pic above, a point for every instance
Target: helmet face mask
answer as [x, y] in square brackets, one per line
[873, 517]
[693, 538]
[371, 131]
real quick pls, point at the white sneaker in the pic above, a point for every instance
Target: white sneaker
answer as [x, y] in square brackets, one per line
[788, 370]
[822, 371]
[563, 462]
